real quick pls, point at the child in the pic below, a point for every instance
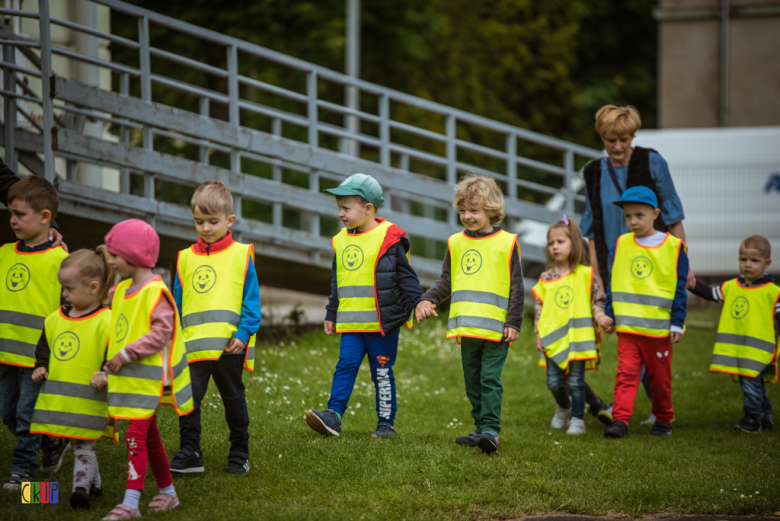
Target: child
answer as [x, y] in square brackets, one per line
[647, 300]
[218, 298]
[146, 356]
[746, 344]
[30, 293]
[565, 330]
[77, 335]
[373, 292]
[483, 275]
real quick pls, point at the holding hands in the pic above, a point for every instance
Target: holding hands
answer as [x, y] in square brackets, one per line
[606, 324]
[426, 309]
[235, 346]
[39, 374]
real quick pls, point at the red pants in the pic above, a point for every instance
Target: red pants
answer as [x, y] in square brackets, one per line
[656, 355]
[144, 445]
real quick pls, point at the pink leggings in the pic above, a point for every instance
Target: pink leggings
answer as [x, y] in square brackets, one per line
[144, 444]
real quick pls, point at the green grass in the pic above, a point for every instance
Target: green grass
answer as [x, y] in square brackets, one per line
[705, 468]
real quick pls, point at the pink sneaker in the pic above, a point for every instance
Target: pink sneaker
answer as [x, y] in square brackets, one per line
[163, 502]
[122, 511]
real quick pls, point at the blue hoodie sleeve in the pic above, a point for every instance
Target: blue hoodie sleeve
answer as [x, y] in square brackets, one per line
[680, 303]
[177, 293]
[250, 307]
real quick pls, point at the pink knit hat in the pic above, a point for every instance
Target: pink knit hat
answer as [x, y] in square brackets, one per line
[135, 241]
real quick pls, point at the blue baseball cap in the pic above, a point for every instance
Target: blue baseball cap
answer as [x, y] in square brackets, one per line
[638, 194]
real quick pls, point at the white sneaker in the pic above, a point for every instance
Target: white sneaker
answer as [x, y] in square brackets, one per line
[576, 426]
[650, 420]
[561, 418]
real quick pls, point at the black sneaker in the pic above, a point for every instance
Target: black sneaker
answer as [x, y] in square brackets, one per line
[326, 423]
[766, 424]
[488, 442]
[238, 463]
[468, 441]
[617, 429]
[749, 424]
[16, 479]
[603, 413]
[383, 430]
[52, 458]
[187, 462]
[95, 492]
[661, 429]
[80, 499]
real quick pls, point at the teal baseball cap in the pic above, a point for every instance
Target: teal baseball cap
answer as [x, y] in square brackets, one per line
[362, 185]
[638, 194]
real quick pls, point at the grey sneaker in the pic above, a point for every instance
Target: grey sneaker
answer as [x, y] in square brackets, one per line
[383, 430]
[52, 458]
[488, 442]
[16, 479]
[468, 441]
[326, 423]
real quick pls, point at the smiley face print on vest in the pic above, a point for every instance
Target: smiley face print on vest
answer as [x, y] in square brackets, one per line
[204, 279]
[564, 297]
[471, 262]
[121, 328]
[740, 308]
[17, 278]
[66, 346]
[641, 267]
[352, 258]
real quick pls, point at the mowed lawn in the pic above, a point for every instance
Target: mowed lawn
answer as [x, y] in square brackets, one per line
[705, 467]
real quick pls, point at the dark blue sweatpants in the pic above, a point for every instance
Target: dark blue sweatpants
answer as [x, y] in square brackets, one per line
[381, 351]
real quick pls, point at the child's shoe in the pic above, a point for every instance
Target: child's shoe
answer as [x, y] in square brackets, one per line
[661, 429]
[238, 463]
[187, 462]
[649, 421]
[383, 430]
[561, 418]
[122, 511]
[95, 491]
[748, 424]
[80, 498]
[52, 458]
[618, 429]
[766, 424]
[326, 423]
[468, 441]
[488, 442]
[163, 502]
[605, 415]
[16, 479]
[576, 426]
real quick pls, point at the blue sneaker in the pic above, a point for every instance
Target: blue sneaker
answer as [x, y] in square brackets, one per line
[468, 441]
[488, 442]
[383, 430]
[187, 462]
[326, 423]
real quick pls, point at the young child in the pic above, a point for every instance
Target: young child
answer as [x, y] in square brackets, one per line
[218, 298]
[77, 337]
[146, 357]
[373, 292]
[30, 293]
[483, 275]
[646, 298]
[565, 330]
[746, 344]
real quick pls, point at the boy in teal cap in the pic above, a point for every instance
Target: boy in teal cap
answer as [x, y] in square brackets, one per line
[373, 292]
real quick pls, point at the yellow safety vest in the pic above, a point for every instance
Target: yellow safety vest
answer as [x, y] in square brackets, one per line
[644, 282]
[356, 258]
[212, 298]
[566, 324]
[67, 405]
[136, 391]
[29, 293]
[480, 271]
[746, 341]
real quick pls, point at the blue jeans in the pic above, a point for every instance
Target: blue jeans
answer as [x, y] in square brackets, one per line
[18, 393]
[757, 402]
[381, 351]
[576, 382]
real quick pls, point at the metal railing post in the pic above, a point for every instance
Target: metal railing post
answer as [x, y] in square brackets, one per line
[452, 158]
[124, 135]
[314, 218]
[568, 164]
[511, 166]
[46, 101]
[384, 129]
[235, 120]
[9, 108]
[311, 92]
[204, 111]
[276, 174]
[146, 95]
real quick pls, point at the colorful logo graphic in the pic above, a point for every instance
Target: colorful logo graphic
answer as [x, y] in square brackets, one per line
[641, 267]
[352, 258]
[18, 277]
[66, 346]
[471, 262]
[121, 328]
[40, 493]
[382, 359]
[740, 308]
[564, 296]
[204, 279]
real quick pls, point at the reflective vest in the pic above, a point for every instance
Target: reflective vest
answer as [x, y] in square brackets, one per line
[135, 392]
[746, 342]
[356, 258]
[480, 272]
[566, 324]
[644, 282]
[67, 405]
[29, 293]
[212, 298]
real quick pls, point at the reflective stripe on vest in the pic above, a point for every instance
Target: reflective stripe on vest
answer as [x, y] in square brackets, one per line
[480, 271]
[29, 292]
[566, 323]
[137, 390]
[745, 344]
[644, 282]
[67, 405]
[212, 297]
[356, 258]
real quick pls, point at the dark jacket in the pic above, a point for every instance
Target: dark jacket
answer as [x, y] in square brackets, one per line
[8, 178]
[398, 289]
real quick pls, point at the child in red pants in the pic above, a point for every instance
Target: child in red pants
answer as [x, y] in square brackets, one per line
[646, 297]
[145, 356]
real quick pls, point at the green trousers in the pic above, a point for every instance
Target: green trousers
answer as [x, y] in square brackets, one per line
[483, 361]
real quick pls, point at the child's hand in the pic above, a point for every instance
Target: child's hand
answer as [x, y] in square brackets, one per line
[39, 374]
[115, 364]
[675, 337]
[330, 327]
[606, 324]
[425, 309]
[539, 345]
[235, 346]
[510, 334]
[98, 381]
